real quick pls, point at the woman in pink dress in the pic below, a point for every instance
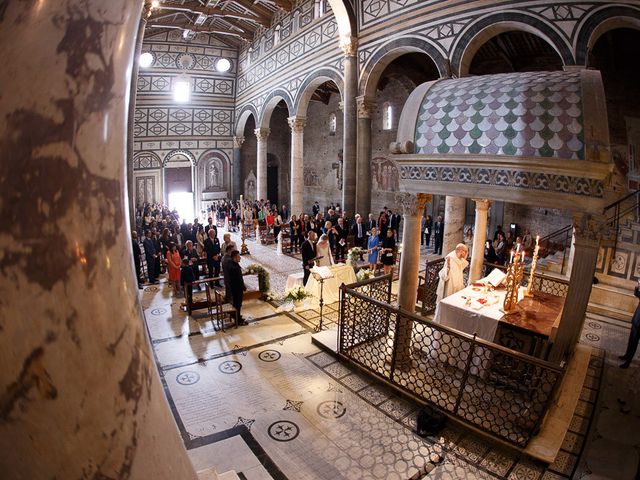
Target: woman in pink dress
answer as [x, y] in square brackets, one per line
[173, 262]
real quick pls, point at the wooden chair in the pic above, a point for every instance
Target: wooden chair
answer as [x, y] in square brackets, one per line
[218, 310]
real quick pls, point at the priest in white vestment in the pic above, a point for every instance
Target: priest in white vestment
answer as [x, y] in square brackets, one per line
[451, 275]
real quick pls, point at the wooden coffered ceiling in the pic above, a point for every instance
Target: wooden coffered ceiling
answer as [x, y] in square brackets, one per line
[235, 21]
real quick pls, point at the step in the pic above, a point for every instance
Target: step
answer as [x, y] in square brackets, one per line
[611, 301]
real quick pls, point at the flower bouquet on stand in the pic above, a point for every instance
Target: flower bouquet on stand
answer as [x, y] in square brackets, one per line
[364, 274]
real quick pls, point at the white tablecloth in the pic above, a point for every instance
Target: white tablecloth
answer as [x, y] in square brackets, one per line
[342, 273]
[294, 280]
[483, 321]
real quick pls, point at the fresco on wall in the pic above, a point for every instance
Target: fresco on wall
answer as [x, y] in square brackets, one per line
[385, 175]
[311, 178]
[250, 188]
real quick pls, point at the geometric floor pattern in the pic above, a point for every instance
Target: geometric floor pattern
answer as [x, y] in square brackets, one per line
[285, 409]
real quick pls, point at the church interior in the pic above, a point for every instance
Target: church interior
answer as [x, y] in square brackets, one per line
[319, 239]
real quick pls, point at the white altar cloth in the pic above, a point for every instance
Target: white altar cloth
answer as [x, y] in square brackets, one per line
[342, 273]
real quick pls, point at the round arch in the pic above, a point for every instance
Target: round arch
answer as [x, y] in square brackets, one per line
[345, 17]
[601, 21]
[270, 103]
[393, 49]
[246, 112]
[215, 170]
[146, 160]
[477, 34]
[310, 84]
[184, 153]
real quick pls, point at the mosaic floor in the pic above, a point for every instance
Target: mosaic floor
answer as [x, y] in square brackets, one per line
[263, 401]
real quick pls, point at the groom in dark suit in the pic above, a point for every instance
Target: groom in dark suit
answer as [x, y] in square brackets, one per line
[308, 251]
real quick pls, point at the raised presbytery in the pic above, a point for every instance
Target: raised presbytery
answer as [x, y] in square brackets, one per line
[319, 239]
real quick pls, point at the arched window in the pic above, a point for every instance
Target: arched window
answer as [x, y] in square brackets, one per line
[276, 36]
[387, 116]
[318, 9]
[296, 21]
[333, 122]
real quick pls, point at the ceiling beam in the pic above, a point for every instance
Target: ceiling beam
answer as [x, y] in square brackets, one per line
[217, 12]
[255, 8]
[197, 29]
[283, 4]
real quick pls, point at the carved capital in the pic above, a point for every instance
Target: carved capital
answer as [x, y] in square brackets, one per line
[412, 204]
[482, 204]
[402, 147]
[365, 107]
[349, 46]
[297, 124]
[146, 10]
[238, 141]
[587, 228]
[262, 134]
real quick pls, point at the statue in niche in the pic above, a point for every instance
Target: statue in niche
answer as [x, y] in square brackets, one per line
[215, 179]
[250, 189]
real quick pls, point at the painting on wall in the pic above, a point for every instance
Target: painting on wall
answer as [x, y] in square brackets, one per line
[250, 186]
[385, 175]
[311, 178]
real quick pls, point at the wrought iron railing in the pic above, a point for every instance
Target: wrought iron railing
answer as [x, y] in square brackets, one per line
[428, 283]
[501, 391]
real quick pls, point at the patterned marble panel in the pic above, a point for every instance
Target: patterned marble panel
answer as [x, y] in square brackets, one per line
[523, 114]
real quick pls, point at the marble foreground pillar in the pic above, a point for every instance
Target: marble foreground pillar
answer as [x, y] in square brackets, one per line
[297, 165]
[454, 212]
[80, 396]
[262, 134]
[479, 239]
[412, 206]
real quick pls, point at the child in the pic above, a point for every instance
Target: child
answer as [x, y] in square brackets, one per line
[187, 277]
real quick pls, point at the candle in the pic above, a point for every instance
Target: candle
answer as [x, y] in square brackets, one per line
[511, 259]
[523, 256]
[537, 240]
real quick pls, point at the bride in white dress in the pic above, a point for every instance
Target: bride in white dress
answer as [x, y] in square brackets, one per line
[323, 250]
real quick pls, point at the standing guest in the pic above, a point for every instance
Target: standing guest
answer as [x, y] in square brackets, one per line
[200, 238]
[137, 254]
[468, 238]
[634, 335]
[308, 250]
[527, 240]
[330, 232]
[277, 226]
[452, 274]
[226, 261]
[173, 264]
[438, 235]
[315, 209]
[383, 225]
[209, 226]
[388, 248]
[501, 248]
[498, 231]
[212, 249]
[394, 223]
[226, 241]
[371, 223]
[236, 285]
[284, 213]
[191, 254]
[158, 247]
[359, 233]
[323, 250]
[341, 239]
[373, 247]
[424, 230]
[186, 280]
[294, 233]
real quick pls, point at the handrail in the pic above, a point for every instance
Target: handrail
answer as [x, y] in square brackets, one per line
[454, 332]
[620, 200]
[556, 233]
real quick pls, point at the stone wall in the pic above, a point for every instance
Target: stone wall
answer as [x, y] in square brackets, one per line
[540, 221]
[279, 153]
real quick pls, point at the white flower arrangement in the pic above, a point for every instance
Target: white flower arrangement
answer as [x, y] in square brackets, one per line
[364, 274]
[296, 294]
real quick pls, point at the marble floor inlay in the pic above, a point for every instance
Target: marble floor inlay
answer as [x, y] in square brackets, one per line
[264, 401]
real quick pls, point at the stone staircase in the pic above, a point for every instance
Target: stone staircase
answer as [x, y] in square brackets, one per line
[211, 474]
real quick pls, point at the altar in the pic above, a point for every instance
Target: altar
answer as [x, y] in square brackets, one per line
[342, 273]
[476, 311]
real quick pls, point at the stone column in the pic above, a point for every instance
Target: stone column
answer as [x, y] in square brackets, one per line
[80, 393]
[262, 134]
[131, 188]
[297, 164]
[454, 213]
[479, 238]
[363, 185]
[587, 242]
[236, 188]
[350, 48]
[412, 207]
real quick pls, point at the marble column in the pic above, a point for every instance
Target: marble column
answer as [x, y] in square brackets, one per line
[479, 238]
[236, 188]
[454, 213]
[262, 134]
[80, 393]
[297, 164]
[412, 207]
[587, 234]
[131, 187]
[349, 47]
[363, 185]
